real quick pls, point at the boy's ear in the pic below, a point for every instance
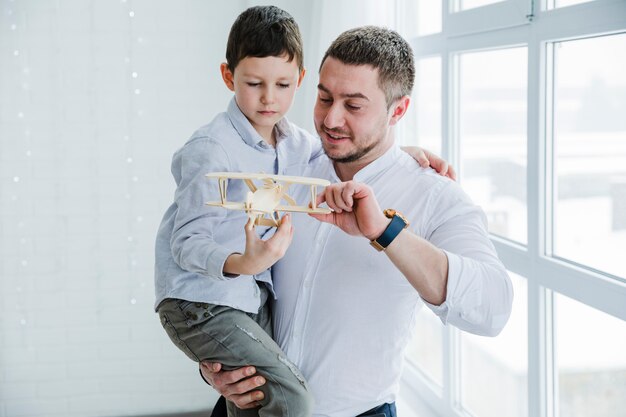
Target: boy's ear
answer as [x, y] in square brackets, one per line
[227, 76]
[301, 77]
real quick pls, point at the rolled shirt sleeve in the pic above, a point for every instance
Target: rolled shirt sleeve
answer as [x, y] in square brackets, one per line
[479, 293]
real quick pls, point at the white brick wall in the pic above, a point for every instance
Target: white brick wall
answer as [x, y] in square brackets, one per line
[84, 180]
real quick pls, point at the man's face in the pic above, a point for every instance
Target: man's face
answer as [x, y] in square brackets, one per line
[264, 89]
[351, 114]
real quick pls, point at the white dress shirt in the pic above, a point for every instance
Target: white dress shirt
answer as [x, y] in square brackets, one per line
[344, 313]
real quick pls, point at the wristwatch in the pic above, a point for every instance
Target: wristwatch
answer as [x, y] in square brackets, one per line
[398, 224]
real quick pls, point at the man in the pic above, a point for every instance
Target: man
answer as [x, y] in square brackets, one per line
[344, 311]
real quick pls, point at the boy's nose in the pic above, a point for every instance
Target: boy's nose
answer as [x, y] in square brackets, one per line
[268, 96]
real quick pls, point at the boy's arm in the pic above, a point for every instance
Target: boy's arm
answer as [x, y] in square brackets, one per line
[426, 158]
[260, 254]
[192, 242]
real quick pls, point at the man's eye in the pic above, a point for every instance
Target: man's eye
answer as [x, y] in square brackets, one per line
[353, 107]
[325, 100]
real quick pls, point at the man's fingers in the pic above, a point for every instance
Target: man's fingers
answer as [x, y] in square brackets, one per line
[330, 199]
[247, 400]
[246, 386]
[326, 218]
[341, 195]
[210, 366]
[231, 377]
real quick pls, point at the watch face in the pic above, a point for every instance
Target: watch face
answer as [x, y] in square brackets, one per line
[389, 213]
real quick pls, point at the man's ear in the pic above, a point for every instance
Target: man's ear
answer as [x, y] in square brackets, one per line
[399, 108]
[227, 76]
[301, 77]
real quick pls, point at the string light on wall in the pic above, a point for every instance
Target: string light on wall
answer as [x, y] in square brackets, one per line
[134, 112]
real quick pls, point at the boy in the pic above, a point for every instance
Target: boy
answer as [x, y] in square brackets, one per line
[212, 282]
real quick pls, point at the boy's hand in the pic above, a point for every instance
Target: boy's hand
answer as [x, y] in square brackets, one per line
[260, 254]
[426, 158]
[236, 386]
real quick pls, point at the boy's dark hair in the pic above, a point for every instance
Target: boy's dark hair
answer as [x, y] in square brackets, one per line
[262, 31]
[383, 49]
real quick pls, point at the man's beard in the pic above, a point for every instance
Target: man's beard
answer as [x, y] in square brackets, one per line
[355, 156]
[351, 157]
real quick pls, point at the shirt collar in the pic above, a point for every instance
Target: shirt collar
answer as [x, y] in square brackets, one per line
[248, 133]
[381, 164]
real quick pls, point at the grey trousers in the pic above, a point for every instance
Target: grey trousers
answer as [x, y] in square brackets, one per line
[234, 338]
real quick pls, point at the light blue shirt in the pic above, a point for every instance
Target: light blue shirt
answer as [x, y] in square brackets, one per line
[345, 314]
[194, 239]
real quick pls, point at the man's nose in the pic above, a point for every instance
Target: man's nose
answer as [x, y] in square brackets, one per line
[334, 116]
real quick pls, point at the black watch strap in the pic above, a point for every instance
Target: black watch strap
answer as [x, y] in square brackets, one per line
[397, 224]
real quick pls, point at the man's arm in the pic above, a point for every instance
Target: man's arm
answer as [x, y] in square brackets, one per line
[456, 271]
[356, 211]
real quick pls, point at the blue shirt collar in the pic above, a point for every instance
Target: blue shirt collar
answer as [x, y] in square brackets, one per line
[248, 133]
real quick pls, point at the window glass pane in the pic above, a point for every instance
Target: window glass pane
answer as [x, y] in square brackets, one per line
[471, 4]
[590, 360]
[492, 134]
[589, 216]
[426, 349]
[423, 126]
[564, 3]
[494, 371]
[428, 17]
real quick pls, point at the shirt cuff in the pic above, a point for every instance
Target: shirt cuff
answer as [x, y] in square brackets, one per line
[216, 261]
[443, 310]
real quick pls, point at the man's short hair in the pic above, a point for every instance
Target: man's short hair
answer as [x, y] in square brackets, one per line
[383, 49]
[262, 31]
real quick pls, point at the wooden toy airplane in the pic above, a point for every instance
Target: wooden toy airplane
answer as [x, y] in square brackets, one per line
[263, 202]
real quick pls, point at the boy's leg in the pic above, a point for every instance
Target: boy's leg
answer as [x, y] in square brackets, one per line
[234, 339]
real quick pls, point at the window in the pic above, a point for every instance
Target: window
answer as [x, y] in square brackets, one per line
[589, 137]
[494, 371]
[532, 116]
[590, 360]
[492, 136]
[426, 349]
[471, 4]
[423, 123]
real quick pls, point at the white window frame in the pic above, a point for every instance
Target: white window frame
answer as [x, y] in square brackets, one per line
[468, 31]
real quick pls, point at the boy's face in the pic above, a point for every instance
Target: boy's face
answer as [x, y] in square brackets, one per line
[264, 89]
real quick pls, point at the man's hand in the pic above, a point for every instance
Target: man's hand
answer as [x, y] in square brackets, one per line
[426, 158]
[236, 386]
[355, 209]
[260, 254]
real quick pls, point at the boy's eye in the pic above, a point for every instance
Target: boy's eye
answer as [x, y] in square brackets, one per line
[283, 85]
[253, 84]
